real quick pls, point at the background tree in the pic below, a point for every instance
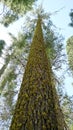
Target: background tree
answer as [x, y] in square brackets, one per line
[69, 100]
[67, 107]
[66, 103]
[2, 44]
[69, 48]
[71, 17]
[11, 75]
[13, 10]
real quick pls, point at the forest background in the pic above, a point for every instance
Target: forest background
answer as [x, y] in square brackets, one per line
[59, 12]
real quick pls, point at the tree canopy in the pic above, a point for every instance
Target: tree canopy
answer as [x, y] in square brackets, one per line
[71, 17]
[14, 9]
[19, 6]
[69, 48]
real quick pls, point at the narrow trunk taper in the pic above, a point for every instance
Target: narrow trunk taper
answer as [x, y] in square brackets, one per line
[37, 107]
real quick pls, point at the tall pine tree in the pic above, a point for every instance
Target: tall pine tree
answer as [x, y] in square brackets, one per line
[37, 107]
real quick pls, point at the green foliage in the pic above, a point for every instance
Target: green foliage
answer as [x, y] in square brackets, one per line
[12, 60]
[54, 46]
[67, 107]
[20, 43]
[8, 18]
[2, 44]
[14, 9]
[71, 17]
[69, 49]
[19, 6]
[7, 78]
[7, 59]
[71, 127]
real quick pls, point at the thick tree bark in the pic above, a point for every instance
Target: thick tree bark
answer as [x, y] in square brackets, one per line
[37, 107]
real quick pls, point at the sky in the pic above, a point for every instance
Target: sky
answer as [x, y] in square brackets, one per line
[60, 19]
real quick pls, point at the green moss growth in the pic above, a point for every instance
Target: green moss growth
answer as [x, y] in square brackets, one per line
[37, 107]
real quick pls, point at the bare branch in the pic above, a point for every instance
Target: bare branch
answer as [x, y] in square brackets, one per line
[55, 12]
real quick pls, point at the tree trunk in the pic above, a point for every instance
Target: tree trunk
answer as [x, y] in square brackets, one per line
[37, 107]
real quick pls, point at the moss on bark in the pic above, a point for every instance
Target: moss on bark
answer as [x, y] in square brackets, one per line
[37, 107]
